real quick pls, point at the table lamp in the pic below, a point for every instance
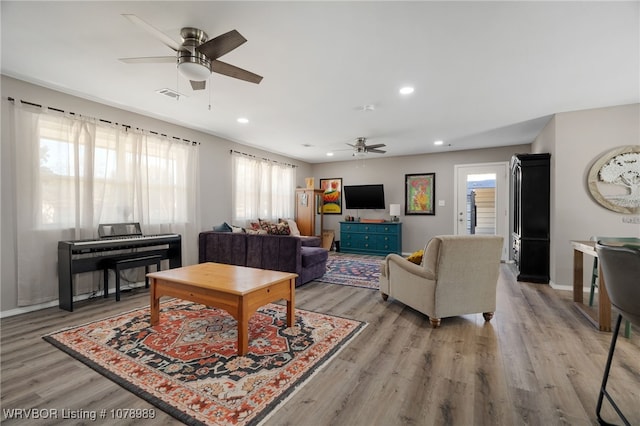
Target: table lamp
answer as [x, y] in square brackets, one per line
[394, 211]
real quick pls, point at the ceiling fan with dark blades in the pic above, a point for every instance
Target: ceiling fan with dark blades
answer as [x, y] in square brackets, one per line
[361, 147]
[197, 56]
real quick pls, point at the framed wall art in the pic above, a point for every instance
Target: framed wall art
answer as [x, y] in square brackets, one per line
[614, 180]
[332, 195]
[420, 193]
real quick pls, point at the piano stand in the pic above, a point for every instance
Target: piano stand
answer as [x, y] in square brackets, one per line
[79, 256]
[119, 265]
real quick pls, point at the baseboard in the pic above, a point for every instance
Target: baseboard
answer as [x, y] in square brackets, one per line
[53, 303]
[561, 287]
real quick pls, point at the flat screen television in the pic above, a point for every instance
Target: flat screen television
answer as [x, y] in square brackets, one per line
[364, 197]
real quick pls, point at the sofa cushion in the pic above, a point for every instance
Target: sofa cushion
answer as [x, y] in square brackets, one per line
[313, 255]
[314, 272]
[308, 241]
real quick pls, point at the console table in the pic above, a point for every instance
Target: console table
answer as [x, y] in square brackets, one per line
[371, 238]
[601, 319]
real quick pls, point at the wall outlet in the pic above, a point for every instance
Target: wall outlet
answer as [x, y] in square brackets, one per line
[441, 203]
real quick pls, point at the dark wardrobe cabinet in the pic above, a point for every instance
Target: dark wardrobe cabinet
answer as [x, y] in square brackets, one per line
[530, 182]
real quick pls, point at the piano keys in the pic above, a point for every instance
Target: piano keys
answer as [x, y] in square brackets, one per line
[80, 256]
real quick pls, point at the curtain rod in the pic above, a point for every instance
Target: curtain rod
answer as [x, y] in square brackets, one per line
[232, 151]
[126, 126]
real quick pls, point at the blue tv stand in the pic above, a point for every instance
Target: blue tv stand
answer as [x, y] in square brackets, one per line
[371, 238]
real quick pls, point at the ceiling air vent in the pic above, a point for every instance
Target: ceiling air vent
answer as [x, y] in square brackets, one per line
[169, 93]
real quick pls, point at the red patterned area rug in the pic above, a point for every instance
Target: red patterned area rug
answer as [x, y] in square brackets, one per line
[188, 365]
[356, 270]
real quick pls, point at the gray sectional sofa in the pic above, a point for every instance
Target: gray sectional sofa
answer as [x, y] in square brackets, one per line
[274, 252]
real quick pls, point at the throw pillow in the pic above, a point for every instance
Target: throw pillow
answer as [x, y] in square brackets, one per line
[264, 224]
[293, 227]
[281, 228]
[224, 227]
[237, 229]
[256, 231]
[416, 257]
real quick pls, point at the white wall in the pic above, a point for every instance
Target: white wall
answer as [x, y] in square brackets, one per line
[417, 230]
[576, 140]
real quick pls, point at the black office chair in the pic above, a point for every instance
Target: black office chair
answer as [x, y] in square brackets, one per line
[620, 265]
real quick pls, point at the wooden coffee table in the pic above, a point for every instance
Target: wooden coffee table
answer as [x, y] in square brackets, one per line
[236, 289]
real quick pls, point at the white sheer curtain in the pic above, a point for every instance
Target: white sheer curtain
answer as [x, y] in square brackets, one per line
[261, 189]
[73, 173]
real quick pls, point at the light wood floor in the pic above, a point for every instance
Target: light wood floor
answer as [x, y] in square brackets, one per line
[538, 362]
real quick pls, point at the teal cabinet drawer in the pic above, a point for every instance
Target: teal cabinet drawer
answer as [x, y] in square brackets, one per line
[352, 227]
[389, 229]
[386, 240]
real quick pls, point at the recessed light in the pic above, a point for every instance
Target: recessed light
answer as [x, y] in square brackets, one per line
[243, 120]
[438, 143]
[329, 154]
[407, 90]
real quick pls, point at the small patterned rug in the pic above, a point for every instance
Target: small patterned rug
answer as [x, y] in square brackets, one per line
[356, 270]
[188, 365]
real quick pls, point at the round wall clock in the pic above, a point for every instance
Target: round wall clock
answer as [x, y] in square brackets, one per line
[614, 180]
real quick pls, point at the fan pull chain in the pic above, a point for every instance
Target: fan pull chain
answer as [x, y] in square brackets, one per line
[209, 84]
[177, 85]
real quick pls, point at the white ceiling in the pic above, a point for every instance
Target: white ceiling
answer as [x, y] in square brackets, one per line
[485, 74]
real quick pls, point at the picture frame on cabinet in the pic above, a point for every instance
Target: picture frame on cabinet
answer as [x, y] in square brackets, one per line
[332, 196]
[420, 194]
[303, 199]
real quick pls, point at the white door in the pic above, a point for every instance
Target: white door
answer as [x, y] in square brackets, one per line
[482, 200]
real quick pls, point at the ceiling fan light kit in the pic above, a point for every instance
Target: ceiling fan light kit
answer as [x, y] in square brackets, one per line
[194, 70]
[192, 64]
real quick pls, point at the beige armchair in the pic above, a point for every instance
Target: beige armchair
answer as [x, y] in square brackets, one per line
[458, 275]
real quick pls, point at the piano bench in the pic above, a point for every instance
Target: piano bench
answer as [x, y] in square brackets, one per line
[119, 265]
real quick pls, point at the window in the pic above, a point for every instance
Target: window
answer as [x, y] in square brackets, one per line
[73, 173]
[261, 189]
[113, 177]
